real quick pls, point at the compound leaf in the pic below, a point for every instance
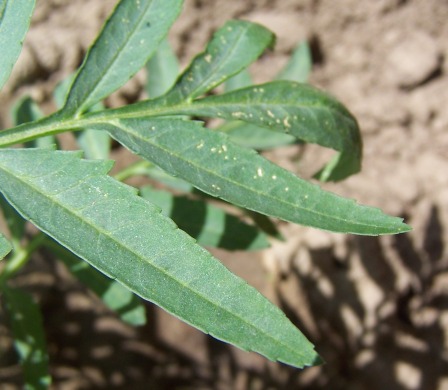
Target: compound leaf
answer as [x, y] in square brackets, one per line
[233, 47]
[126, 237]
[5, 246]
[239, 175]
[208, 224]
[15, 18]
[29, 338]
[127, 41]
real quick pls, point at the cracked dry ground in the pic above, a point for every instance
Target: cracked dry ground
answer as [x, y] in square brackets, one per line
[376, 308]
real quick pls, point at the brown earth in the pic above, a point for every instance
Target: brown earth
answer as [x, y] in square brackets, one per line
[376, 308]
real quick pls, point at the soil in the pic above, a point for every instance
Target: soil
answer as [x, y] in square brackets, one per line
[376, 308]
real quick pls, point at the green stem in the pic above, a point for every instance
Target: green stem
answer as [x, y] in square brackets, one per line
[56, 123]
[138, 168]
[20, 257]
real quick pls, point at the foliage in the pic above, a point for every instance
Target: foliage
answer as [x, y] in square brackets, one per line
[136, 250]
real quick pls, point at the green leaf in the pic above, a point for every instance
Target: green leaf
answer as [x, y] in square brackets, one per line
[299, 65]
[95, 144]
[233, 47]
[238, 175]
[255, 137]
[208, 224]
[5, 246]
[154, 172]
[162, 69]
[114, 295]
[15, 18]
[29, 338]
[127, 41]
[297, 109]
[26, 110]
[126, 237]
[15, 222]
[240, 80]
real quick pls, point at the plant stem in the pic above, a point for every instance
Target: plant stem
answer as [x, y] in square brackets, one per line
[20, 257]
[138, 168]
[56, 123]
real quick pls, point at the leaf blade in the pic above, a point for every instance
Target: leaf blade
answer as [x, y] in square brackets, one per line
[255, 137]
[127, 41]
[29, 338]
[297, 109]
[216, 166]
[115, 296]
[232, 48]
[206, 223]
[162, 70]
[299, 65]
[5, 246]
[15, 18]
[78, 206]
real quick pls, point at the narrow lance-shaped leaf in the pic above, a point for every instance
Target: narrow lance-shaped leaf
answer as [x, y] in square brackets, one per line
[29, 339]
[162, 70]
[240, 80]
[247, 134]
[15, 222]
[26, 110]
[127, 41]
[233, 47]
[114, 295]
[95, 144]
[299, 65]
[146, 168]
[126, 237]
[15, 17]
[260, 138]
[216, 166]
[297, 109]
[5, 246]
[255, 137]
[208, 224]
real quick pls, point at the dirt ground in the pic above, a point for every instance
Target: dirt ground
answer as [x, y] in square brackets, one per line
[376, 308]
